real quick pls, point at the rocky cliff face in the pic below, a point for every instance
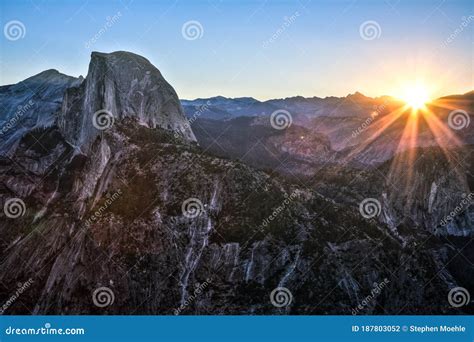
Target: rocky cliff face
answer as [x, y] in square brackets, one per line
[31, 104]
[434, 193]
[108, 94]
[137, 234]
[158, 225]
[253, 141]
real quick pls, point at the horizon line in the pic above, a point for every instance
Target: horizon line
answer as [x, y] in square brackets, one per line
[253, 97]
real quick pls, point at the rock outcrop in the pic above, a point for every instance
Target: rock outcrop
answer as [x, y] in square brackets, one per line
[31, 104]
[120, 85]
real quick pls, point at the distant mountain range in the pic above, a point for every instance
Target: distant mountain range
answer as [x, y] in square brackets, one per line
[302, 108]
[344, 124]
[118, 198]
[222, 108]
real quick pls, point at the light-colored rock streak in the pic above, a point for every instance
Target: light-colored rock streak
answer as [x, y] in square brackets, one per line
[433, 192]
[199, 240]
[290, 269]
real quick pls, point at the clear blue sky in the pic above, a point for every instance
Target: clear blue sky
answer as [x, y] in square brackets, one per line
[318, 52]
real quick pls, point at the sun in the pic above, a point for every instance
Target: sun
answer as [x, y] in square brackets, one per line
[415, 96]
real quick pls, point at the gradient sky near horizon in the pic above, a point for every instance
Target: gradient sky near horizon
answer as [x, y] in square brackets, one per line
[318, 52]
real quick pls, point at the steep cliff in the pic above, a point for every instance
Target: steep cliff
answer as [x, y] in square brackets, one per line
[120, 85]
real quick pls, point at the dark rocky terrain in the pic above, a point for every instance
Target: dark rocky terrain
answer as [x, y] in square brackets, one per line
[211, 217]
[31, 104]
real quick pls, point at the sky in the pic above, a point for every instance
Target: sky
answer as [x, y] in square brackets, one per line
[264, 49]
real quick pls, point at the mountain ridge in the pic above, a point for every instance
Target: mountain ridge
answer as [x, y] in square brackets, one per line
[150, 215]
